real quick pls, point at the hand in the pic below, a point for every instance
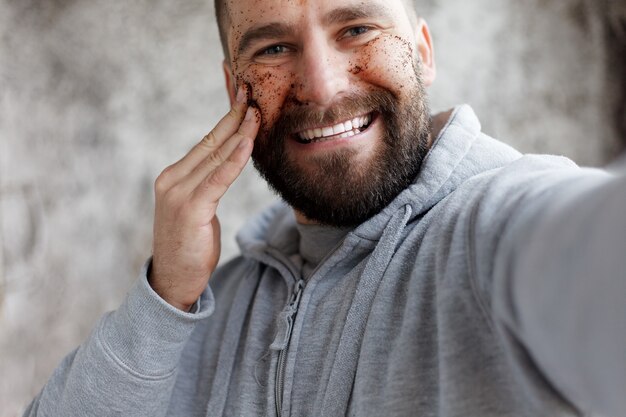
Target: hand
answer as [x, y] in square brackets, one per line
[186, 244]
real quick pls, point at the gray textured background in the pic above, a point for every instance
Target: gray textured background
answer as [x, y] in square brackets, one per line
[96, 98]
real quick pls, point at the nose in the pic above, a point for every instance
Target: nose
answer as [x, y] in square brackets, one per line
[322, 73]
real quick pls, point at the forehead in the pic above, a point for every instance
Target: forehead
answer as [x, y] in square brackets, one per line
[246, 14]
[255, 10]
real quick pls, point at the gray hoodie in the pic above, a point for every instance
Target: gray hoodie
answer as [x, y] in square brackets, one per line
[492, 286]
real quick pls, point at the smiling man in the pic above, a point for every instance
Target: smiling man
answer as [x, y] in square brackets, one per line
[341, 94]
[415, 266]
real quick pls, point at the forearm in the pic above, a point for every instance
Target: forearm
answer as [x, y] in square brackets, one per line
[92, 382]
[128, 364]
[561, 288]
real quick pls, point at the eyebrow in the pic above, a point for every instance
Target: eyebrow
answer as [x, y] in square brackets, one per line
[348, 14]
[340, 15]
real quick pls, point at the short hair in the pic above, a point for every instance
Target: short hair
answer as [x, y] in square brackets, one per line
[222, 16]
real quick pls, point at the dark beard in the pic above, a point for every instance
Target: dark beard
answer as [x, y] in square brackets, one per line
[338, 192]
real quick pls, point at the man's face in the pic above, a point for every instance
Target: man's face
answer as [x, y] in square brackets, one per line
[345, 123]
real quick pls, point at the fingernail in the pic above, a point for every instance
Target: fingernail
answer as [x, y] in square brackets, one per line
[249, 114]
[241, 94]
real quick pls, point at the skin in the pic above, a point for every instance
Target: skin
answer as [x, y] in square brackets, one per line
[186, 244]
[318, 63]
[315, 63]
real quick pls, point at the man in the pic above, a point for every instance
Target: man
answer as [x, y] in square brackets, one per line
[419, 268]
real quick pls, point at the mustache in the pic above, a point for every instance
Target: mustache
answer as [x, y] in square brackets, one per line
[299, 116]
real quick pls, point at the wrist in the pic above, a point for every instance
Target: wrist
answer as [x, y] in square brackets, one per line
[186, 308]
[164, 295]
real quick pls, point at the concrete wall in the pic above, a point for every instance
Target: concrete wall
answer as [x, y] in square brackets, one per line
[96, 98]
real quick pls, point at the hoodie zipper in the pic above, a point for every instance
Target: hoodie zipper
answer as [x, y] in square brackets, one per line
[279, 385]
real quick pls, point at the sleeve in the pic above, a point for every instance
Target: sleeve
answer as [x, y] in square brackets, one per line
[559, 278]
[127, 367]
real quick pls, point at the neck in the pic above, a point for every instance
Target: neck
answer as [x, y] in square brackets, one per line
[302, 219]
[438, 121]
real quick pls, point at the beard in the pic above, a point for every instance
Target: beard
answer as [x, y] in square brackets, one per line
[334, 188]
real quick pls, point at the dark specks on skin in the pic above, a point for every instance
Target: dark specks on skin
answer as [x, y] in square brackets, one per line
[265, 88]
[272, 89]
[396, 52]
[356, 69]
[251, 101]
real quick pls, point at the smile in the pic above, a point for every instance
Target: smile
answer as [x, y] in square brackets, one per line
[337, 131]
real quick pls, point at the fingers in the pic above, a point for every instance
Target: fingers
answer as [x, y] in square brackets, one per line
[224, 129]
[212, 177]
[186, 230]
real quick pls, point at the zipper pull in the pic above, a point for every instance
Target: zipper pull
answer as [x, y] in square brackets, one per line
[286, 318]
[297, 294]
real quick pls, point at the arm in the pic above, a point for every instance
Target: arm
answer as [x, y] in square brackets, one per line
[128, 365]
[560, 284]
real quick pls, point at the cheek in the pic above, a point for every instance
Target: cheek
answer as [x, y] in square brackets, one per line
[388, 61]
[269, 90]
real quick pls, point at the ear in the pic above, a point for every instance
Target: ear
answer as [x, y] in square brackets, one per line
[426, 52]
[231, 88]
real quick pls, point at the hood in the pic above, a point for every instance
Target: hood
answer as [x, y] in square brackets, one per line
[459, 152]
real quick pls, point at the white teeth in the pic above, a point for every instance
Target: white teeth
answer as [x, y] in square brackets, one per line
[344, 129]
[358, 122]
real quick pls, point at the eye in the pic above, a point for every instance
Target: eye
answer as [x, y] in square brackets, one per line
[357, 31]
[274, 50]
